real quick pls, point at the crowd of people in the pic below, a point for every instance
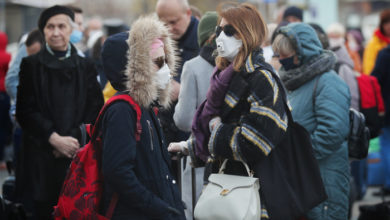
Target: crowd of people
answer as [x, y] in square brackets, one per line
[211, 86]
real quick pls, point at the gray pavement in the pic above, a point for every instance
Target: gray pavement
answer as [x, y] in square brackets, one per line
[3, 175]
[368, 199]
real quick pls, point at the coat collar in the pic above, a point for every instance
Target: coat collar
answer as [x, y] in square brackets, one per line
[53, 62]
[318, 65]
[188, 40]
[239, 86]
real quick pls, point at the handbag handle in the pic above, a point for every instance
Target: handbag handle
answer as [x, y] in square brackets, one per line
[222, 169]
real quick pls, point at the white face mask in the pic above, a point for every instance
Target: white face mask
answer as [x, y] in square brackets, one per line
[163, 76]
[228, 47]
[336, 42]
[353, 45]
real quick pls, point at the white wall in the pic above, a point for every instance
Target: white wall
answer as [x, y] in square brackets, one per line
[322, 12]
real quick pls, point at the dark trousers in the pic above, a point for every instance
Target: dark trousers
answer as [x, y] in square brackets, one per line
[43, 210]
[5, 122]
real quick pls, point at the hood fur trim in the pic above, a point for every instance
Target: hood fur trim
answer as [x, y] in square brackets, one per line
[141, 79]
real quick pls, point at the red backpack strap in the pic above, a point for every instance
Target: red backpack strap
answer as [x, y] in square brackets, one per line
[88, 128]
[134, 105]
[111, 207]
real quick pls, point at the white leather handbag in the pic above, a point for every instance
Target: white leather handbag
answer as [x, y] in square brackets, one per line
[229, 197]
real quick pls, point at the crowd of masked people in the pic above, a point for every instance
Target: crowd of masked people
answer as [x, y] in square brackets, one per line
[212, 86]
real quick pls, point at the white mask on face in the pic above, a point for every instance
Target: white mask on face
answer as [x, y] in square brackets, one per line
[228, 47]
[353, 45]
[336, 42]
[163, 76]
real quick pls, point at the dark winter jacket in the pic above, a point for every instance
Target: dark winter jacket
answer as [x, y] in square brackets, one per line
[53, 96]
[382, 73]
[139, 172]
[188, 45]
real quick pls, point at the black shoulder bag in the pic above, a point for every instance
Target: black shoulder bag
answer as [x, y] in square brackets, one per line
[289, 176]
[359, 133]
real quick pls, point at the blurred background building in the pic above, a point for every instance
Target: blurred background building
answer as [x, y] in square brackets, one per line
[17, 17]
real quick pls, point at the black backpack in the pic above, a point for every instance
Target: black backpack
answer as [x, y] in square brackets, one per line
[359, 134]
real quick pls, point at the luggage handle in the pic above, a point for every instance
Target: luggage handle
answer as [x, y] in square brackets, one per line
[223, 167]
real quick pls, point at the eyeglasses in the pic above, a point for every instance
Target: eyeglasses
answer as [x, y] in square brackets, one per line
[227, 29]
[160, 61]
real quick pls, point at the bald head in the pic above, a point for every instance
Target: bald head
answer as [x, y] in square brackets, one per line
[176, 14]
[93, 25]
[169, 3]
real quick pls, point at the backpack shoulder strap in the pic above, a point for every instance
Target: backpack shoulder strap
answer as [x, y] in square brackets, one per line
[127, 98]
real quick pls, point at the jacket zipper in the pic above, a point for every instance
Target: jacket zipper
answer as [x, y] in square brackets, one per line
[150, 134]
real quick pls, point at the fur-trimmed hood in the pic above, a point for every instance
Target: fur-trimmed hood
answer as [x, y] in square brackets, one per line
[141, 77]
[128, 65]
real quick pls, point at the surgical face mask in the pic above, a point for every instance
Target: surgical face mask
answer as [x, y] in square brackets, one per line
[336, 42]
[288, 63]
[353, 45]
[228, 47]
[76, 36]
[163, 76]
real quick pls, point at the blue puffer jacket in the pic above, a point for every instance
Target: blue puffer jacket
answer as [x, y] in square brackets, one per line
[327, 120]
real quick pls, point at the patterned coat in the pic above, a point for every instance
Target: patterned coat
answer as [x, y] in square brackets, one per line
[254, 122]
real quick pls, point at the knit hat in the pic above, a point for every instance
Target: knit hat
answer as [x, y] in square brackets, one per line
[293, 11]
[52, 11]
[114, 58]
[206, 26]
[385, 17]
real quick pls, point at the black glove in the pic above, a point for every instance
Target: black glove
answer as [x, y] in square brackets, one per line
[173, 210]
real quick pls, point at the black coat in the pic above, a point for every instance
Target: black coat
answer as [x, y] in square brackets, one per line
[139, 172]
[382, 73]
[53, 96]
[188, 45]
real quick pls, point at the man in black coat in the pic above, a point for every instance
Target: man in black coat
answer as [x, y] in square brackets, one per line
[57, 93]
[176, 14]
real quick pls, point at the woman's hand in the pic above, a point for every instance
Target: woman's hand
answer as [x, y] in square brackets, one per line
[65, 145]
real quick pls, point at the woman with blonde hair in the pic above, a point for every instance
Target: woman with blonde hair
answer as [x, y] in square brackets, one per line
[320, 102]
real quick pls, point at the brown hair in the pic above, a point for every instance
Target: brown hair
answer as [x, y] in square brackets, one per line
[384, 18]
[250, 27]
